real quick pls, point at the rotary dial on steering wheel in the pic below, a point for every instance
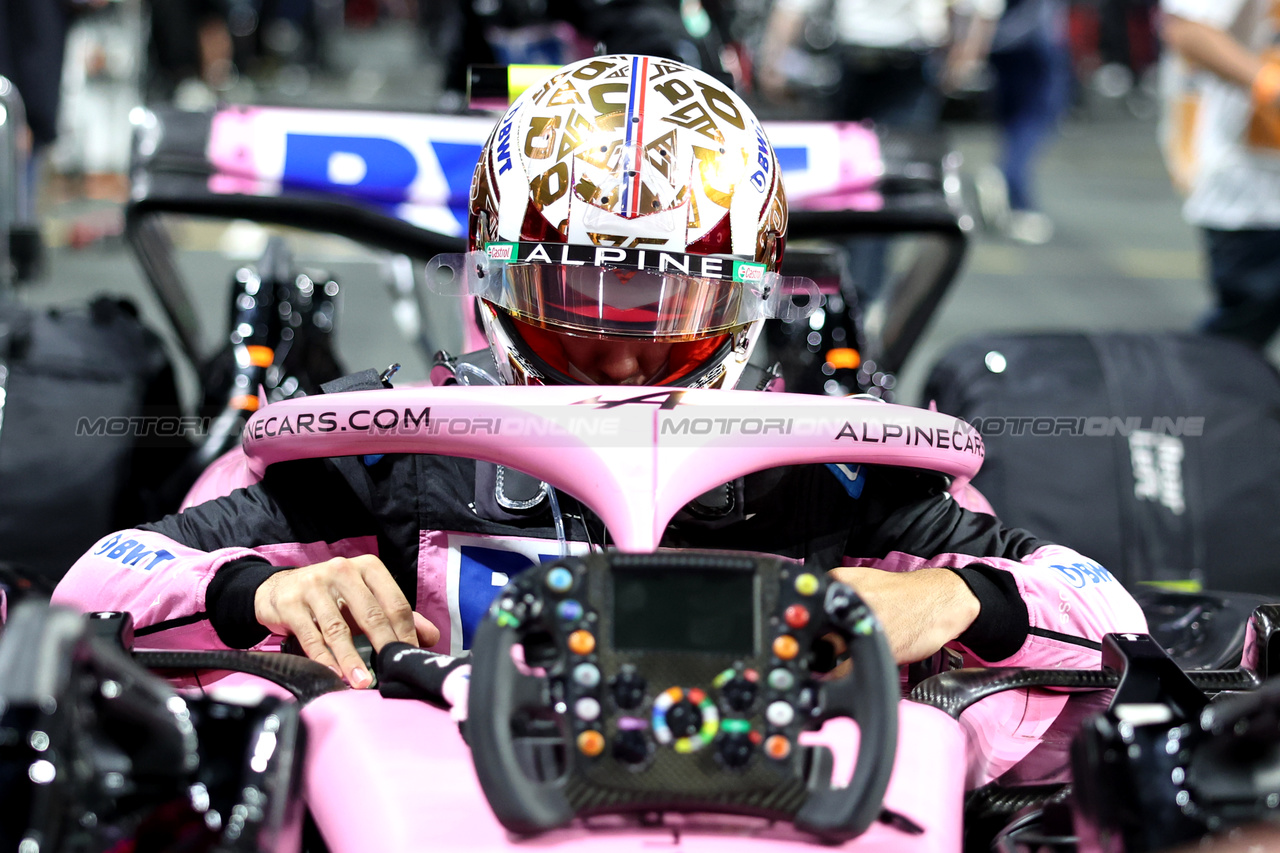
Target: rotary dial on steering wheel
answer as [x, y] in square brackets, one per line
[685, 719]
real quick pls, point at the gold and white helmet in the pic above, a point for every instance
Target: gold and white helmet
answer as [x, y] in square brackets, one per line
[630, 198]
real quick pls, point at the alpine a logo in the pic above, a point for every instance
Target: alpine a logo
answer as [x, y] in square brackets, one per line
[661, 399]
[645, 260]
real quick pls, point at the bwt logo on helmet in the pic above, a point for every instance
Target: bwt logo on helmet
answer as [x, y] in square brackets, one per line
[760, 177]
[504, 146]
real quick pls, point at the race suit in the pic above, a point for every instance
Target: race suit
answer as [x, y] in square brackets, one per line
[436, 523]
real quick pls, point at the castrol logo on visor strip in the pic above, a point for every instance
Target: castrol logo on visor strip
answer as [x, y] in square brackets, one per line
[605, 160]
[501, 251]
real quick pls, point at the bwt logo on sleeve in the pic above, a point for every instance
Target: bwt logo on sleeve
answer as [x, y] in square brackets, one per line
[131, 552]
[1080, 574]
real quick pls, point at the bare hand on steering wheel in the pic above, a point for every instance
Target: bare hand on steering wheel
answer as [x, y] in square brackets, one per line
[921, 610]
[323, 604]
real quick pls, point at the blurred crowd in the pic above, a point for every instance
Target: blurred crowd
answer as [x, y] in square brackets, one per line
[896, 61]
[906, 64]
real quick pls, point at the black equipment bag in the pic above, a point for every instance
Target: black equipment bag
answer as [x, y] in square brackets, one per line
[1158, 455]
[89, 429]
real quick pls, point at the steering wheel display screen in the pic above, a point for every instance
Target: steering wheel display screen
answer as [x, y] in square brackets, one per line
[685, 610]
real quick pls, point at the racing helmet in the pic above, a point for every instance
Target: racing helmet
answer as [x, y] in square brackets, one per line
[632, 200]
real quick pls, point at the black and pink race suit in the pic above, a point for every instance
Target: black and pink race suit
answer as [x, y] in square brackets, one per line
[189, 579]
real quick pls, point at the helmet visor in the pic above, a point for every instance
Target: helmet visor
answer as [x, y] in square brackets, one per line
[621, 292]
[609, 301]
[609, 360]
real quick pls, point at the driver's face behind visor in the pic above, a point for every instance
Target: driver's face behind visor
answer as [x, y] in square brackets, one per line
[616, 360]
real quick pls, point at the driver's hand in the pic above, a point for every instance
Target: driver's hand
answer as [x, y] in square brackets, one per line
[921, 611]
[324, 603]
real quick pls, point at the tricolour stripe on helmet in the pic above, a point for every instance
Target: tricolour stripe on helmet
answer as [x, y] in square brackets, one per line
[635, 134]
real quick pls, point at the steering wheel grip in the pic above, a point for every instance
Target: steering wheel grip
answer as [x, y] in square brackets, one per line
[870, 696]
[521, 804]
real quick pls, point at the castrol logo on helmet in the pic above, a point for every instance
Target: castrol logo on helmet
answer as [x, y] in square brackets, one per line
[631, 152]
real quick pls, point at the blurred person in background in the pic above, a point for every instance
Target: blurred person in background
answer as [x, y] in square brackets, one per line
[199, 49]
[1226, 134]
[191, 51]
[897, 59]
[1127, 47]
[1032, 63]
[486, 32]
[33, 36]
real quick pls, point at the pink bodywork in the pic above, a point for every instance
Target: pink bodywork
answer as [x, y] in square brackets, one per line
[394, 776]
[840, 169]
